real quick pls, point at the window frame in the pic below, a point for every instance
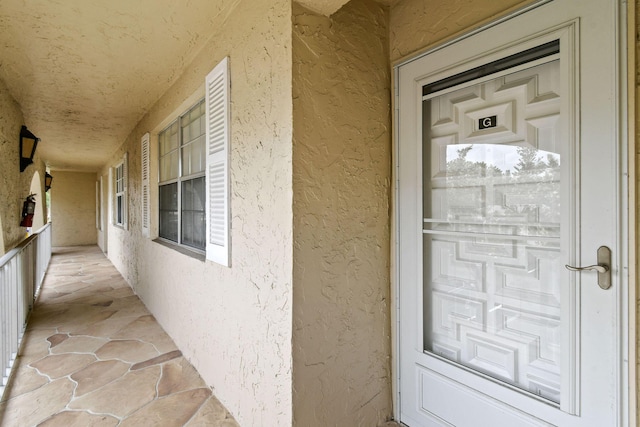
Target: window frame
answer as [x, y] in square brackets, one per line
[121, 211]
[180, 180]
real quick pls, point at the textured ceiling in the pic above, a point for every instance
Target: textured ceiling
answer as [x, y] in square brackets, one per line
[86, 71]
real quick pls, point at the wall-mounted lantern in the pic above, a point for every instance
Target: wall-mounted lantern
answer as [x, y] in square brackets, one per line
[28, 210]
[28, 143]
[47, 181]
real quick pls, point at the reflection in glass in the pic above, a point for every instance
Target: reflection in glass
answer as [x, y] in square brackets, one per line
[497, 189]
[168, 211]
[193, 214]
[492, 224]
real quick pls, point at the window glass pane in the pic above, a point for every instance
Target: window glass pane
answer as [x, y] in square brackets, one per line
[193, 215]
[191, 123]
[169, 211]
[195, 128]
[186, 159]
[169, 166]
[193, 157]
[120, 178]
[119, 209]
[162, 136]
[168, 139]
[186, 135]
[198, 155]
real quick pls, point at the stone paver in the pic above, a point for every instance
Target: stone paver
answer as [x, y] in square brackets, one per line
[94, 356]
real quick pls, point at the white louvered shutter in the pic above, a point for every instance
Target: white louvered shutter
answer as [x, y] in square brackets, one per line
[111, 184]
[125, 198]
[144, 155]
[217, 116]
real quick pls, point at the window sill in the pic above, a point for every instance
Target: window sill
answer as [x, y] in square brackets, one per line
[182, 249]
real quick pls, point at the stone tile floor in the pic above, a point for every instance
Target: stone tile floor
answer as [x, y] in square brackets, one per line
[94, 356]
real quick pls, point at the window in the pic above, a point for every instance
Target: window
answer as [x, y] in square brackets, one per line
[193, 187]
[182, 195]
[120, 203]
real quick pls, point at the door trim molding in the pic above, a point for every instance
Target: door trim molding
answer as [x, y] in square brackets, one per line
[628, 53]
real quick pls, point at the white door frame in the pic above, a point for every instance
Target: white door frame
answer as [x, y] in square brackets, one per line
[628, 227]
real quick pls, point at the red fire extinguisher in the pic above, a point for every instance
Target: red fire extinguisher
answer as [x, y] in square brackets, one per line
[28, 209]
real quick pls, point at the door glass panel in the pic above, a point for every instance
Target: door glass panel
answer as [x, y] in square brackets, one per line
[492, 228]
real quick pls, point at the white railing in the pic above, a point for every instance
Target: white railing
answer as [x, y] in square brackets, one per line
[22, 271]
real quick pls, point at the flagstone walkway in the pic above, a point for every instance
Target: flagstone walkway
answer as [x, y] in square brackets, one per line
[94, 356]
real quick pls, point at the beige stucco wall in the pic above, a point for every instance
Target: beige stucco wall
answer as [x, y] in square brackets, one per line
[38, 191]
[341, 178]
[418, 24]
[14, 185]
[73, 208]
[233, 324]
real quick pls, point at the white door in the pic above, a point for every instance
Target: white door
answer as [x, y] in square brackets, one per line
[509, 155]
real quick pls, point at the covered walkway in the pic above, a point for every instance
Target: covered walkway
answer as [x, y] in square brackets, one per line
[93, 355]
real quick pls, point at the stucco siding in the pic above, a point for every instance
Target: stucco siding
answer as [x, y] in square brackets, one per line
[73, 209]
[417, 24]
[14, 185]
[341, 176]
[233, 324]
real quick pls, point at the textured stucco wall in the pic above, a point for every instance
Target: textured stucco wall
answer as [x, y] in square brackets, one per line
[233, 324]
[37, 189]
[14, 185]
[418, 24]
[341, 175]
[73, 208]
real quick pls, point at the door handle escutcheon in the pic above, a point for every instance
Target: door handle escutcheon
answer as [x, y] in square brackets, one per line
[603, 267]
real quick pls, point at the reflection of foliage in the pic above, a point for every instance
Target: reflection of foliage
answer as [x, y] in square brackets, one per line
[528, 195]
[530, 162]
[460, 166]
[552, 161]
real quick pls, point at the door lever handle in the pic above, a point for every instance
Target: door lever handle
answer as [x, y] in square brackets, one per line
[603, 267]
[598, 268]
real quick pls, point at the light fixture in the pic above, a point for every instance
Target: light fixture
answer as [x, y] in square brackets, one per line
[28, 143]
[47, 181]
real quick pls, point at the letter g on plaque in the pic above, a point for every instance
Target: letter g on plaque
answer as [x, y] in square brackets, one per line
[488, 122]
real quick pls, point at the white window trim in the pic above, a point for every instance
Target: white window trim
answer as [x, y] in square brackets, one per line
[124, 193]
[217, 87]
